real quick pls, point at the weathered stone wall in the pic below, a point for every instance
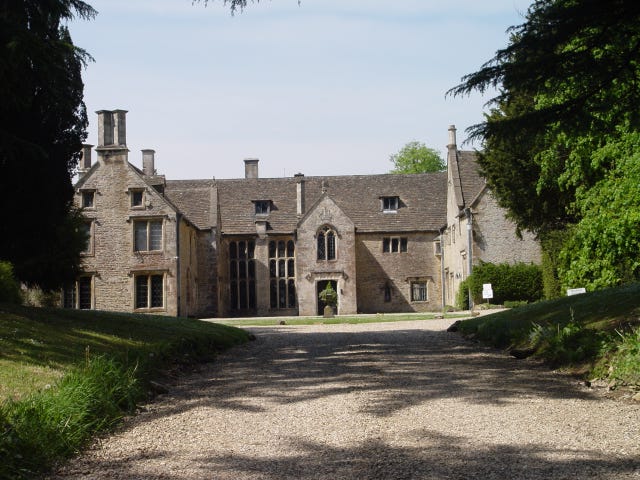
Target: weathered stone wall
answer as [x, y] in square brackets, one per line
[378, 270]
[114, 262]
[207, 279]
[495, 238]
[310, 270]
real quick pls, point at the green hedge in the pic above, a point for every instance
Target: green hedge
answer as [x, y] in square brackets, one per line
[518, 282]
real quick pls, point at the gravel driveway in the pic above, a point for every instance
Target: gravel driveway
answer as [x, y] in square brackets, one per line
[402, 400]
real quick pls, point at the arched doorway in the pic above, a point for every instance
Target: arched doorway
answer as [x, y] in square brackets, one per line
[321, 285]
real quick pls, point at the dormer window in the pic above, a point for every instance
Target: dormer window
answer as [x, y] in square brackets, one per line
[262, 207]
[390, 204]
[88, 199]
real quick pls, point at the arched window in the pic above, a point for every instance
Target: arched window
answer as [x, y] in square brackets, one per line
[326, 239]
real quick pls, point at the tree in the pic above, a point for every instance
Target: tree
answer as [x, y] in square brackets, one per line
[42, 126]
[416, 157]
[567, 79]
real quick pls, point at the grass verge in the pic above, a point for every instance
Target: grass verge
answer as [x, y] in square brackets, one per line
[67, 375]
[375, 318]
[595, 334]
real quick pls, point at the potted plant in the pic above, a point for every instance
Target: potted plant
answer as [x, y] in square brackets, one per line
[330, 298]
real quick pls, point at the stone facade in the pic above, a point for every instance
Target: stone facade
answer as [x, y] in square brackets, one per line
[268, 246]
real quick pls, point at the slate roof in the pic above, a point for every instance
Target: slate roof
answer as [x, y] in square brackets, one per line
[471, 181]
[195, 199]
[422, 201]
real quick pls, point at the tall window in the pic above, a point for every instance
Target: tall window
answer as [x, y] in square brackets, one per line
[419, 292]
[326, 239]
[242, 275]
[282, 283]
[390, 204]
[394, 244]
[149, 291]
[148, 235]
[78, 294]
[87, 230]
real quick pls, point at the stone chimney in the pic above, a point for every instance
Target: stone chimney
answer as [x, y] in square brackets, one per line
[299, 193]
[251, 167]
[85, 159]
[148, 162]
[452, 137]
[112, 128]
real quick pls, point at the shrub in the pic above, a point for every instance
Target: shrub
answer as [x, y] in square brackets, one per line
[515, 303]
[520, 281]
[621, 360]
[552, 243]
[9, 288]
[462, 297]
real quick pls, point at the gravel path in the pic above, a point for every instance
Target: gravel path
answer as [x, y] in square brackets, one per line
[400, 400]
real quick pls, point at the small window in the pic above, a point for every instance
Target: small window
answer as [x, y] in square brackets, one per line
[262, 207]
[437, 247]
[418, 292]
[137, 198]
[394, 244]
[390, 204]
[147, 235]
[88, 199]
[387, 293]
[78, 295]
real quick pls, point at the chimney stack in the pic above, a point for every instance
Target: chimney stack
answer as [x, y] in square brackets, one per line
[299, 193]
[148, 162]
[251, 167]
[85, 159]
[452, 137]
[112, 128]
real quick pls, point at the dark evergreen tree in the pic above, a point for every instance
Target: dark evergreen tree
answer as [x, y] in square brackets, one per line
[42, 126]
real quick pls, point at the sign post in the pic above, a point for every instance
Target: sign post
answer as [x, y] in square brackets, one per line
[487, 292]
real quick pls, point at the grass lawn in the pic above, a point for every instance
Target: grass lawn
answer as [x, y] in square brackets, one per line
[319, 320]
[595, 333]
[37, 346]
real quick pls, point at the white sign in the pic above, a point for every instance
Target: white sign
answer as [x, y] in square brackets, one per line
[487, 291]
[575, 291]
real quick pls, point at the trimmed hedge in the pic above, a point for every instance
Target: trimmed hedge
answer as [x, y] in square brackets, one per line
[518, 282]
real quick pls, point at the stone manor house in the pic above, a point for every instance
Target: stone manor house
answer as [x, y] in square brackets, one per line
[268, 246]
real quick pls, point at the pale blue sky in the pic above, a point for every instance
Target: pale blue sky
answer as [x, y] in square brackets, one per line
[327, 87]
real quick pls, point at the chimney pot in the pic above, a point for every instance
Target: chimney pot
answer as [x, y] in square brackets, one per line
[85, 159]
[452, 136]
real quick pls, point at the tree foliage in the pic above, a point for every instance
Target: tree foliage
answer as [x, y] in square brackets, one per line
[42, 126]
[416, 157]
[564, 115]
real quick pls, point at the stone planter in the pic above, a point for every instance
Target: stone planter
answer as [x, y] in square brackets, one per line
[328, 311]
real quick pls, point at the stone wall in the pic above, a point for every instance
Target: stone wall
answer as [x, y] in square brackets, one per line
[113, 262]
[378, 271]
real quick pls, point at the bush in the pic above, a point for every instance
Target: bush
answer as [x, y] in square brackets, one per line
[9, 288]
[462, 297]
[552, 243]
[520, 282]
[515, 303]
[621, 360]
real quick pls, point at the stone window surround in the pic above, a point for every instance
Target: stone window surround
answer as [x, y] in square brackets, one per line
[415, 281]
[134, 219]
[401, 243]
[85, 195]
[134, 274]
[137, 206]
[90, 250]
[325, 229]
[75, 295]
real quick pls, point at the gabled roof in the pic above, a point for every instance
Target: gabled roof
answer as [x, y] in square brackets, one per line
[422, 201]
[465, 176]
[195, 199]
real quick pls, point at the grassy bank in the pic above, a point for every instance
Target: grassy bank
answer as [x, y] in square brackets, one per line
[596, 334]
[66, 375]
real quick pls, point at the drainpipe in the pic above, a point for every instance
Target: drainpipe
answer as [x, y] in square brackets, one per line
[469, 215]
[442, 277]
[178, 274]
